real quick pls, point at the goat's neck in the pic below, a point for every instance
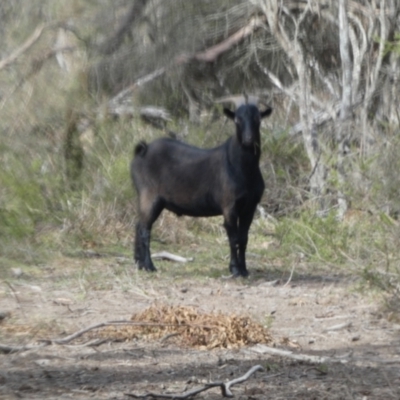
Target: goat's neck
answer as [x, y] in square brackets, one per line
[247, 159]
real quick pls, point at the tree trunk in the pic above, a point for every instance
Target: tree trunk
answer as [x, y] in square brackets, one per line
[344, 126]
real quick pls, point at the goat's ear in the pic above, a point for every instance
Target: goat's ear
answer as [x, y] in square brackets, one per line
[228, 113]
[266, 112]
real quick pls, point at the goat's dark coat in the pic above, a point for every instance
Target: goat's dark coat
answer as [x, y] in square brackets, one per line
[187, 180]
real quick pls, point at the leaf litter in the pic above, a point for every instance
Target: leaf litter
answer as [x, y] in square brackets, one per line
[192, 328]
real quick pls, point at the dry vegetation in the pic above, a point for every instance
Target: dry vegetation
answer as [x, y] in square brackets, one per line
[77, 79]
[207, 331]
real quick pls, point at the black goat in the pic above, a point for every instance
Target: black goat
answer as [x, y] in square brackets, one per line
[187, 180]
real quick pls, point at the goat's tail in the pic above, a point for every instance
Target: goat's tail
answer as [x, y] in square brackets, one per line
[140, 149]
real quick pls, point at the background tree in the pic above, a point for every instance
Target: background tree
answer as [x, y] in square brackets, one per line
[329, 68]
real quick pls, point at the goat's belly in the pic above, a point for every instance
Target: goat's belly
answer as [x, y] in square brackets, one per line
[194, 210]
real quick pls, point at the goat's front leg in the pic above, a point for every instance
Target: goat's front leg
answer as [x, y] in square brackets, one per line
[243, 237]
[231, 227]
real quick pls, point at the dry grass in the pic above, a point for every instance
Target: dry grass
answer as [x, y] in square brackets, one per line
[192, 327]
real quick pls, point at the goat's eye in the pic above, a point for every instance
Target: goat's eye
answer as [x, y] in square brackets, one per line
[238, 121]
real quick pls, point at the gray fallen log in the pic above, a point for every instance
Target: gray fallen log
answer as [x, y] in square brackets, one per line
[262, 349]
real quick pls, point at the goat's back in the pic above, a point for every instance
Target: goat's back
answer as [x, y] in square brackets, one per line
[189, 180]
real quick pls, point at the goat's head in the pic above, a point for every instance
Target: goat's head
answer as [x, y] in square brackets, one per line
[247, 117]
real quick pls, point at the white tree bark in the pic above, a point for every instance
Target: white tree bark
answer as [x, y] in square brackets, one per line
[354, 98]
[343, 128]
[374, 71]
[294, 50]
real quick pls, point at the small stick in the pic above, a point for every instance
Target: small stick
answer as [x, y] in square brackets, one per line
[170, 335]
[91, 343]
[47, 342]
[24, 47]
[291, 272]
[225, 388]
[124, 322]
[77, 334]
[184, 395]
[338, 327]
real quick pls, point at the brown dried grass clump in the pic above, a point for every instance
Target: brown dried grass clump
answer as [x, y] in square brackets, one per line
[33, 330]
[194, 328]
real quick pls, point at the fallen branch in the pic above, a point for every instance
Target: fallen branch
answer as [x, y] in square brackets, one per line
[212, 53]
[225, 388]
[118, 323]
[208, 55]
[125, 95]
[5, 349]
[170, 335]
[77, 334]
[24, 47]
[36, 66]
[148, 112]
[338, 327]
[165, 255]
[91, 343]
[47, 342]
[295, 263]
[262, 349]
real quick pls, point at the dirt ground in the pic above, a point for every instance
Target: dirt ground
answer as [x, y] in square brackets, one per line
[320, 314]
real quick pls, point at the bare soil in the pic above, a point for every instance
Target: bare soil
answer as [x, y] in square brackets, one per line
[318, 314]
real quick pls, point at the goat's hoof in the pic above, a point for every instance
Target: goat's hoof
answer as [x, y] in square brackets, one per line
[240, 274]
[236, 274]
[139, 265]
[147, 268]
[244, 273]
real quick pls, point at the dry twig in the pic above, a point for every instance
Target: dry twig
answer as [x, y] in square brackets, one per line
[208, 55]
[225, 388]
[47, 342]
[338, 327]
[295, 263]
[196, 329]
[119, 323]
[24, 47]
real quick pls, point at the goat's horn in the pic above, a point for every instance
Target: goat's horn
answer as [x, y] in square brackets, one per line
[252, 99]
[238, 100]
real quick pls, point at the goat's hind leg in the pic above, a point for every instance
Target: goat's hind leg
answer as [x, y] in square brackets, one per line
[142, 249]
[139, 249]
[143, 234]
